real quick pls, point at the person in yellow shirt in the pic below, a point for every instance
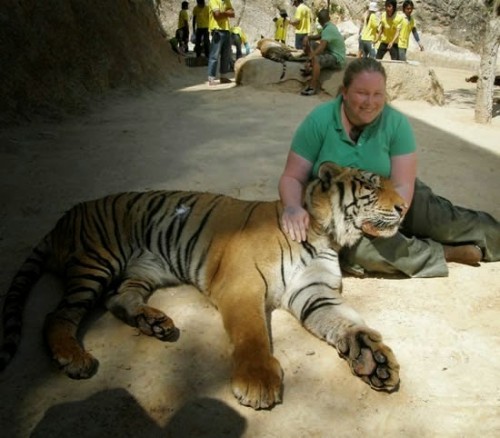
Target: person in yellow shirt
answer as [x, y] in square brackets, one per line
[388, 33]
[220, 11]
[408, 26]
[182, 32]
[302, 22]
[281, 26]
[200, 28]
[368, 31]
[238, 39]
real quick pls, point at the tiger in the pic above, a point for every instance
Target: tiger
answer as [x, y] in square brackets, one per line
[279, 52]
[119, 249]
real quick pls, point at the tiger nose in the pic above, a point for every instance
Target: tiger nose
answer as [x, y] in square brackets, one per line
[400, 208]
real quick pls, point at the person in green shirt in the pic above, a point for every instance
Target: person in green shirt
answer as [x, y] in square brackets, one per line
[359, 129]
[329, 53]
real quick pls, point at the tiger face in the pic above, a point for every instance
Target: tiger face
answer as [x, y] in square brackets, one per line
[121, 248]
[348, 202]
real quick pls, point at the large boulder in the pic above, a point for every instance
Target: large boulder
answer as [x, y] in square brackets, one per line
[405, 80]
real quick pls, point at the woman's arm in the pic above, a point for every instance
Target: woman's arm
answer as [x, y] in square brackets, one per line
[403, 175]
[295, 219]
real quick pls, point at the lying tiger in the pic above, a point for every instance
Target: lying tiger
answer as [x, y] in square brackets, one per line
[279, 52]
[125, 246]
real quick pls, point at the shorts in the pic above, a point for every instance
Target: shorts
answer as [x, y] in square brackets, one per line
[329, 62]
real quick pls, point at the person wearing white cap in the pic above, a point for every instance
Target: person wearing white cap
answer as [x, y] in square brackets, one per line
[368, 31]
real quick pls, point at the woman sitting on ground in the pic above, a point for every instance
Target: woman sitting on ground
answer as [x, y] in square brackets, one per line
[359, 129]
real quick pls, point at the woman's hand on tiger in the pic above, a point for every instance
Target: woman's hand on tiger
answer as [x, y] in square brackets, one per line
[295, 222]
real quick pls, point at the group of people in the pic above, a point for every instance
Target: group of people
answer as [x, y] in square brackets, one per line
[212, 35]
[391, 32]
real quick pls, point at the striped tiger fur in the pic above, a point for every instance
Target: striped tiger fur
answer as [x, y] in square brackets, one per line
[279, 52]
[123, 247]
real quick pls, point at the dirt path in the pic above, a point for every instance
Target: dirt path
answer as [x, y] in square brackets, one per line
[445, 332]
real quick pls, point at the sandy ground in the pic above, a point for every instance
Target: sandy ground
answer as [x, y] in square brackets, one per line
[445, 332]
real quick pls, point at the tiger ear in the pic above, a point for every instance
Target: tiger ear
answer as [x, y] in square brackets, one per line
[330, 172]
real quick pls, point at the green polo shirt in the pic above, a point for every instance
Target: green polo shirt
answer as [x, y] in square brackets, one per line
[321, 137]
[335, 42]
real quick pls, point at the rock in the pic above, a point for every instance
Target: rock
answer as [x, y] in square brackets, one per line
[405, 80]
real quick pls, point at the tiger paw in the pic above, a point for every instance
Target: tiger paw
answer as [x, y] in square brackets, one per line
[369, 358]
[257, 383]
[154, 322]
[76, 364]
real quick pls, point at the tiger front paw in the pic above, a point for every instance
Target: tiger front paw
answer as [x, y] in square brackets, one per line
[257, 383]
[154, 322]
[369, 358]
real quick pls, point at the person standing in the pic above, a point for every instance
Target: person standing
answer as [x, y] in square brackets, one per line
[200, 28]
[239, 39]
[281, 26]
[220, 11]
[359, 129]
[407, 26]
[182, 33]
[302, 22]
[328, 53]
[368, 31]
[388, 33]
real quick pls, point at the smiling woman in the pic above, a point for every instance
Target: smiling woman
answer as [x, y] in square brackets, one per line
[359, 129]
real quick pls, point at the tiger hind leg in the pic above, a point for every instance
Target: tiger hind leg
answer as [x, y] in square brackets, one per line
[84, 287]
[61, 329]
[129, 305]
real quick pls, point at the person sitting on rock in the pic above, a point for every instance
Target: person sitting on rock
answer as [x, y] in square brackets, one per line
[329, 53]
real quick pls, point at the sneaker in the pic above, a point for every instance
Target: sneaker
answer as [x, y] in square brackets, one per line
[211, 80]
[309, 91]
[225, 81]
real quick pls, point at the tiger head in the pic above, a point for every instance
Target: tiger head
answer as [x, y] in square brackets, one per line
[345, 202]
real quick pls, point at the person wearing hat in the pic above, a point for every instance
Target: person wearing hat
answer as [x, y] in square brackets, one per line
[325, 51]
[281, 26]
[368, 31]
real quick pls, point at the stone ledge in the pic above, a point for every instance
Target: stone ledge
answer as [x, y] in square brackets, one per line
[405, 81]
